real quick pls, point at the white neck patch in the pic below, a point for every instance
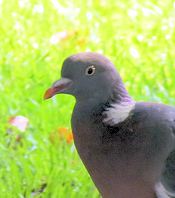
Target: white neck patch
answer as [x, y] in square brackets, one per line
[117, 113]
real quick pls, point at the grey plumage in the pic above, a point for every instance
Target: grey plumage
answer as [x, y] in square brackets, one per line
[127, 147]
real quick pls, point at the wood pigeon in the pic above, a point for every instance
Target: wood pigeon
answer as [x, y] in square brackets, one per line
[128, 147]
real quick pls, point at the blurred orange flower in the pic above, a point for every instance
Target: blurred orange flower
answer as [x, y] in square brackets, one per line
[61, 133]
[69, 138]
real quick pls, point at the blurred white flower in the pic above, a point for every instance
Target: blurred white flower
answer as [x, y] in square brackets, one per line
[89, 16]
[14, 14]
[20, 42]
[154, 38]
[164, 27]
[55, 38]
[132, 13]
[18, 26]
[35, 45]
[171, 23]
[157, 9]
[94, 36]
[147, 11]
[163, 56]
[168, 37]
[24, 3]
[134, 53]
[38, 8]
[140, 37]
[71, 12]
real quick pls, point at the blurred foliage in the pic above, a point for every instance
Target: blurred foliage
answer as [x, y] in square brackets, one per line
[35, 37]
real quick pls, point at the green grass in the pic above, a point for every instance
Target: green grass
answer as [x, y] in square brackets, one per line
[137, 35]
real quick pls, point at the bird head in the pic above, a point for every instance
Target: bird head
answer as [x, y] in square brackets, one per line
[86, 76]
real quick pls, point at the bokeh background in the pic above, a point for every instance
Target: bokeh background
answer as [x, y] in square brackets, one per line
[37, 155]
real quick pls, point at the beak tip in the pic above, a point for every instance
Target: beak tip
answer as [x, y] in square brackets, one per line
[49, 93]
[45, 97]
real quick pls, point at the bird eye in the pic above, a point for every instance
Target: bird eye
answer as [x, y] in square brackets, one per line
[90, 70]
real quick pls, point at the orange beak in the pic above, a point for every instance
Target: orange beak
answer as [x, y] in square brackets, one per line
[60, 86]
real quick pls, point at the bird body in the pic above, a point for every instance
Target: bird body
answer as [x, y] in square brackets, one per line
[127, 147]
[130, 153]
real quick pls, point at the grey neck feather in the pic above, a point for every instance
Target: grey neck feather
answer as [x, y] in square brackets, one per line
[120, 94]
[115, 107]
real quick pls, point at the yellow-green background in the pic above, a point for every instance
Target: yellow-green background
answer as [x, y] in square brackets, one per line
[35, 37]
